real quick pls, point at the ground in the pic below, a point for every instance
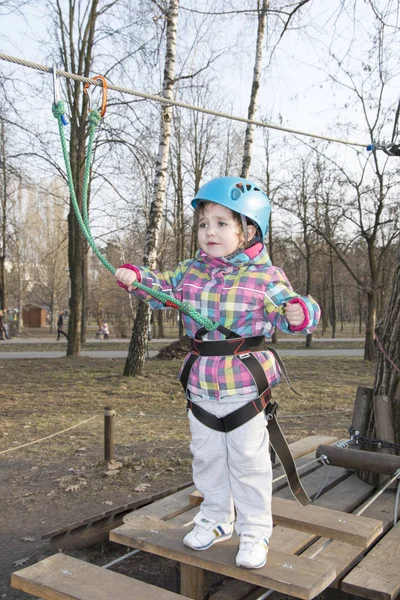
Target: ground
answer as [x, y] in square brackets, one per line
[64, 479]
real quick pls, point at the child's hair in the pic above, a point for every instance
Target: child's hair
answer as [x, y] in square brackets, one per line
[238, 218]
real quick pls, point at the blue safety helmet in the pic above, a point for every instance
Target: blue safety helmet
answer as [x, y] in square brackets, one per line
[238, 194]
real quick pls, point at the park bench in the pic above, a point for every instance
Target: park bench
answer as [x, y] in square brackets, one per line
[312, 548]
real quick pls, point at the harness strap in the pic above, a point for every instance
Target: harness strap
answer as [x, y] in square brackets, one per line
[228, 347]
[281, 447]
[235, 419]
[276, 437]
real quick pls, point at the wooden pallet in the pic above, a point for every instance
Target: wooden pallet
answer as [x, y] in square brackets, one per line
[311, 547]
[159, 529]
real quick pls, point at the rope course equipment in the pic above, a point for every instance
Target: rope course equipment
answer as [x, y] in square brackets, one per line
[389, 149]
[161, 99]
[83, 218]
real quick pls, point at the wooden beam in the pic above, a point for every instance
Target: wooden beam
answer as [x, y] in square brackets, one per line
[283, 572]
[360, 460]
[334, 524]
[377, 576]
[61, 577]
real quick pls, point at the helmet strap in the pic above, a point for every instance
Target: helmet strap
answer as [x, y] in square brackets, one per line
[245, 230]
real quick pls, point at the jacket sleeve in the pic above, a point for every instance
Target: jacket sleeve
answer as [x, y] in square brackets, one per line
[166, 282]
[278, 293]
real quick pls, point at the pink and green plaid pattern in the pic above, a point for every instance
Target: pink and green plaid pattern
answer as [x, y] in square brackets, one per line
[245, 294]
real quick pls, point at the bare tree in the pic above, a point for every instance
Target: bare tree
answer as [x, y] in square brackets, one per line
[248, 140]
[137, 348]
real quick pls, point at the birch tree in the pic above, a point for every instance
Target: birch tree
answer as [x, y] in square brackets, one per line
[137, 348]
[249, 135]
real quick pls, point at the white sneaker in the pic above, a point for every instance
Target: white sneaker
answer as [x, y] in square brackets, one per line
[206, 533]
[252, 554]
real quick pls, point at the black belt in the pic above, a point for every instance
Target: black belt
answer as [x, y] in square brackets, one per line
[229, 347]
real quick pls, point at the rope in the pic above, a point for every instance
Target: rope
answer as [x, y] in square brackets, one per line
[48, 436]
[94, 120]
[156, 98]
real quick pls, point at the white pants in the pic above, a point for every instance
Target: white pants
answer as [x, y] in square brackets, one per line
[233, 470]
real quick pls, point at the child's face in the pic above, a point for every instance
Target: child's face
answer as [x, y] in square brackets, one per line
[218, 234]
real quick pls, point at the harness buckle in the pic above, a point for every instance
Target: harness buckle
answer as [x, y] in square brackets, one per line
[270, 410]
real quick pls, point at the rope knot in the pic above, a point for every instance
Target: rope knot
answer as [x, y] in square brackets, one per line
[58, 109]
[94, 118]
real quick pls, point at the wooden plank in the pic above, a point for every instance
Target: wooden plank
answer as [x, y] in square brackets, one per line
[377, 576]
[166, 508]
[283, 572]
[346, 496]
[310, 444]
[359, 531]
[114, 513]
[344, 556]
[61, 577]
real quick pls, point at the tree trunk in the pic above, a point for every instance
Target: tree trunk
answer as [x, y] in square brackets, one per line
[137, 348]
[387, 374]
[369, 348]
[138, 344]
[77, 56]
[160, 323]
[249, 135]
[3, 239]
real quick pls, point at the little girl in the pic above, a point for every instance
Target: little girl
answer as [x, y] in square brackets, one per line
[232, 281]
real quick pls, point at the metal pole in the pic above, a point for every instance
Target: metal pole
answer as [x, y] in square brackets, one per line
[109, 415]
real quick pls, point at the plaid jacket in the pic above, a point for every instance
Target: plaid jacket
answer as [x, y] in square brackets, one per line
[246, 294]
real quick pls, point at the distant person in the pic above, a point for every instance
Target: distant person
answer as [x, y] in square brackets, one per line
[60, 326]
[105, 331]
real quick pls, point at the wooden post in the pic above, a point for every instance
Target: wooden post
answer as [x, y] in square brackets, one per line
[384, 428]
[109, 415]
[193, 582]
[362, 410]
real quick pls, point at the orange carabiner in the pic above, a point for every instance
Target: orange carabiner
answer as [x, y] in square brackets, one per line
[104, 98]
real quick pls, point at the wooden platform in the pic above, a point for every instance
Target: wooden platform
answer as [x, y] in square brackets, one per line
[62, 577]
[311, 548]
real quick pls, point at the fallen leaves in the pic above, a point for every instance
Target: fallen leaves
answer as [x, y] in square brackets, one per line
[142, 487]
[21, 561]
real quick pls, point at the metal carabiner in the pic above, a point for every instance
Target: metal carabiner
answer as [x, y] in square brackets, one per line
[104, 97]
[56, 92]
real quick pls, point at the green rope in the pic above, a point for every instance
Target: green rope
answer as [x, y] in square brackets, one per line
[94, 120]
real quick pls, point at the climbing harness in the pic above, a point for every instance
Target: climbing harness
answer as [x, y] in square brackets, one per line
[243, 348]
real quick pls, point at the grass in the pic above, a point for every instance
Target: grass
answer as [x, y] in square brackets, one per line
[40, 397]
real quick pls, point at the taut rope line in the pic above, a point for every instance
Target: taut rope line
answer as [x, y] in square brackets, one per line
[155, 98]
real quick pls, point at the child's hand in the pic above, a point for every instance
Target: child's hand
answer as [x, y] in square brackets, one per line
[126, 277]
[294, 314]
